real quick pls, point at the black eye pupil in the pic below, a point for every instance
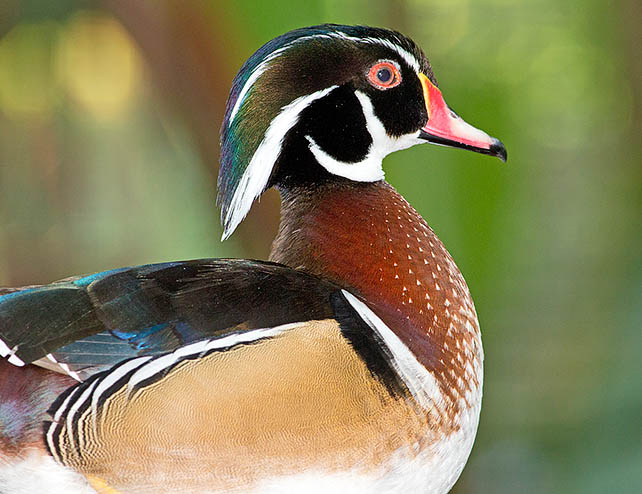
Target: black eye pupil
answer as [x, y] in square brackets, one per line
[384, 75]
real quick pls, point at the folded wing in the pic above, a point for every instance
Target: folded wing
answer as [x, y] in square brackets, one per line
[87, 324]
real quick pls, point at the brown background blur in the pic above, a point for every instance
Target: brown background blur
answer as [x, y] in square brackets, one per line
[109, 118]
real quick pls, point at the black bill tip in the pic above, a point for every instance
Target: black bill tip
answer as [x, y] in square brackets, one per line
[498, 149]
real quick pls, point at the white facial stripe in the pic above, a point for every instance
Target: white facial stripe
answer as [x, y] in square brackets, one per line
[248, 84]
[253, 77]
[259, 170]
[370, 168]
[262, 67]
[375, 128]
[421, 383]
[406, 55]
[367, 170]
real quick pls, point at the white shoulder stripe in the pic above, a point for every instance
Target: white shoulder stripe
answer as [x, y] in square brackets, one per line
[63, 407]
[421, 383]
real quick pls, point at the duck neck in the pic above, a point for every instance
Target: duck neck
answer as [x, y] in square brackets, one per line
[367, 238]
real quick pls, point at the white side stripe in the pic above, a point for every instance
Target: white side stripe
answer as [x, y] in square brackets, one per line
[421, 383]
[258, 172]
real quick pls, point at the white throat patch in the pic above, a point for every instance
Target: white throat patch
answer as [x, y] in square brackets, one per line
[370, 168]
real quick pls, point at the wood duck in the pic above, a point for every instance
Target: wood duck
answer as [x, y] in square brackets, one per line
[352, 360]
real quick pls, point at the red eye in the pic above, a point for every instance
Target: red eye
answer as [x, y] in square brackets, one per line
[384, 75]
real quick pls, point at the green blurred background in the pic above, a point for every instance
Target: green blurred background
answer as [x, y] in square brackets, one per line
[109, 118]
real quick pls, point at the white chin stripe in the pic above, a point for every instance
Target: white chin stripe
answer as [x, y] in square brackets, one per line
[258, 172]
[367, 170]
[370, 168]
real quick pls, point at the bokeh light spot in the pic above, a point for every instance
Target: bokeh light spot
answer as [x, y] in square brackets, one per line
[98, 64]
[27, 88]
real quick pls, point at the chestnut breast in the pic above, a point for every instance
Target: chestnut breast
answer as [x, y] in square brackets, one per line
[367, 238]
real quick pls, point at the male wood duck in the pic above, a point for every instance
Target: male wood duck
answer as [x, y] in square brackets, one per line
[351, 361]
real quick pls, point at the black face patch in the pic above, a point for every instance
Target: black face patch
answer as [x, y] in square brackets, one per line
[337, 125]
[401, 109]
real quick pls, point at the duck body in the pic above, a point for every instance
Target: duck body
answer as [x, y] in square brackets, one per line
[352, 361]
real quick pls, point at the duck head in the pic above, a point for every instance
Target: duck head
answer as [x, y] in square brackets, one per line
[330, 102]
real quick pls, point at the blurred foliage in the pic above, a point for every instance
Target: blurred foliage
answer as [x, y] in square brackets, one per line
[109, 116]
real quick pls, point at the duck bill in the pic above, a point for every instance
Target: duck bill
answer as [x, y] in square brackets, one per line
[446, 128]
